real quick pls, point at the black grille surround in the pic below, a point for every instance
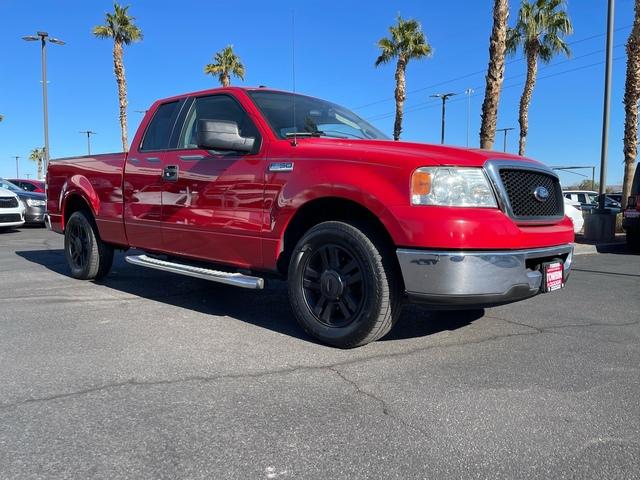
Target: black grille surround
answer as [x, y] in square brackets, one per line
[519, 185]
[10, 217]
[8, 202]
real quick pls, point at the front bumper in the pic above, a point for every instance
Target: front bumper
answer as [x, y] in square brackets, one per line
[476, 279]
[34, 215]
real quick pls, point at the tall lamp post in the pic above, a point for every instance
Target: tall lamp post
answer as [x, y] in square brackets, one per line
[88, 133]
[17, 169]
[44, 38]
[444, 97]
[505, 130]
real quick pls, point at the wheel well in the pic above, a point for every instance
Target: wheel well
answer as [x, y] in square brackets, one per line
[327, 209]
[73, 204]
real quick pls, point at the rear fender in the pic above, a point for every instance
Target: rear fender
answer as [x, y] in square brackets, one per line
[78, 186]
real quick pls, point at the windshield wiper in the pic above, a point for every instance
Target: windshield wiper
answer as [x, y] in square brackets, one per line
[317, 133]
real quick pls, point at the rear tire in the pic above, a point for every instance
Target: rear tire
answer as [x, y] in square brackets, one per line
[87, 255]
[344, 286]
[633, 240]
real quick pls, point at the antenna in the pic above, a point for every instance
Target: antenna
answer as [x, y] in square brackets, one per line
[293, 74]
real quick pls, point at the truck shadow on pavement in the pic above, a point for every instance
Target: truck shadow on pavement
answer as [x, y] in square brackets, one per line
[268, 308]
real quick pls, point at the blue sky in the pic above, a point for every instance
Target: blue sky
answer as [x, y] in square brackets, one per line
[335, 51]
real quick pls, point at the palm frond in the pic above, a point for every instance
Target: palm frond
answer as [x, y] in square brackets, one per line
[406, 41]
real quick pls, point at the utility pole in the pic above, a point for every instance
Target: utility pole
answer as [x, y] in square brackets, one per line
[17, 170]
[44, 38]
[88, 133]
[469, 92]
[444, 97]
[505, 130]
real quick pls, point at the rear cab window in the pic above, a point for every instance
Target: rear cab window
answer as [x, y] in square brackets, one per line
[158, 133]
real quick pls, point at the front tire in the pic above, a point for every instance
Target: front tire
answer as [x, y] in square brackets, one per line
[344, 287]
[87, 255]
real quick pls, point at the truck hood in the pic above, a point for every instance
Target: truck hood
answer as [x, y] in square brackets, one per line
[404, 154]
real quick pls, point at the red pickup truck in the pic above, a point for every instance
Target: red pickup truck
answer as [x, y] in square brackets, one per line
[236, 185]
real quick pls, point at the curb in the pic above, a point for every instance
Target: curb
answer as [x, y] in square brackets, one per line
[591, 249]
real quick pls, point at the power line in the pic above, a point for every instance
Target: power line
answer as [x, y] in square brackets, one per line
[432, 104]
[478, 72]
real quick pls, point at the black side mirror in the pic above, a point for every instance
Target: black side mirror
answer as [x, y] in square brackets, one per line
[222, 135]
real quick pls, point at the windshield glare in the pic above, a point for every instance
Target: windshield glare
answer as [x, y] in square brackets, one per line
[312, 117]
[9, 186]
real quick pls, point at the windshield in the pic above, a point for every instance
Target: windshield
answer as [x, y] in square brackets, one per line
[313, 117]
[10, 186]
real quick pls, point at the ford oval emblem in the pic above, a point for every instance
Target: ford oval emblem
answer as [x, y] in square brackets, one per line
[541, 194]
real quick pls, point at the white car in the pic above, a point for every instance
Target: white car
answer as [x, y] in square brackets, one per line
[573, 210]
[11, 209]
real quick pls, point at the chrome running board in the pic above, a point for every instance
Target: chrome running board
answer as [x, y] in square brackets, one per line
[235, 279]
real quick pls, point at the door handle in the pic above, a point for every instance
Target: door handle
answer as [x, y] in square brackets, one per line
[170, 173]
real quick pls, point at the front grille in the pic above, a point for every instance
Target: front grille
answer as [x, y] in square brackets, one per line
[8, 202]
[520, 186]
[10, 218]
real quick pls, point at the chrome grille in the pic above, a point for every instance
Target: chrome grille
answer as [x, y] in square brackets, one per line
[8, 202]
[520, 185]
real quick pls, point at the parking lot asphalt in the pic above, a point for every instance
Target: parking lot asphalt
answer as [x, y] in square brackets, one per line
[151, 375]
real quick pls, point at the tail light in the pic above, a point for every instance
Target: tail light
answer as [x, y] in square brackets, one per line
[632, 202]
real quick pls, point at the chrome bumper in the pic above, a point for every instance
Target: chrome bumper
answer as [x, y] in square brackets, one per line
[475, 279]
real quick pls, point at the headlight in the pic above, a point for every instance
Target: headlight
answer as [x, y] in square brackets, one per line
[451, 186]
[32, 202]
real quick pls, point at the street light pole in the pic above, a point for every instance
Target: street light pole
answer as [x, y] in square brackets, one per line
[89, 133]
[505, 130]
[17, 170]
[607, 105]
[444, 97]
[44, 38]
[469, 92]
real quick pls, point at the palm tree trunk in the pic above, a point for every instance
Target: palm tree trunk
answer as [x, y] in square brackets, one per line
[118, 68]
[495, 73]
[525, 100]
[401, 91]
[39, 163]
[631, 97]
[226, 81]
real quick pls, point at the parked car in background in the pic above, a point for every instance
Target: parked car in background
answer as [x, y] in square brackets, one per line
[35, 204]
[586, 198]
[589, 200]
[28, 185]
[11, 209]
[573, 210]
[616, 196]
[631, 215]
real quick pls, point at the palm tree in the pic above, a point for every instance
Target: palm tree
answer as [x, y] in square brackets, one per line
[495, 73]
[407, 41]
[631, 97]
[540, 29]
[37, 155]
[121, 28]
[227, 63]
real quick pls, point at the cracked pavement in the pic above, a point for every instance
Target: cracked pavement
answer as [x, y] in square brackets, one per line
[152, 375]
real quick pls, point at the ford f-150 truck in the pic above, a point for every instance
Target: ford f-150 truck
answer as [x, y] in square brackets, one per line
[236, 185]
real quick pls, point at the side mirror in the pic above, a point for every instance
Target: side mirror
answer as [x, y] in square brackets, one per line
[222, 135]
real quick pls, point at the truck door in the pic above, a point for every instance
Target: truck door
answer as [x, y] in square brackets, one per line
[143, 178]
[212, 201]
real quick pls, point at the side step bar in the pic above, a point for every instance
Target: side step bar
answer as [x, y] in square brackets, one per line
[235, 279]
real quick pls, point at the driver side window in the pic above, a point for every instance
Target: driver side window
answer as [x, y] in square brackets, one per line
[215, 107]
